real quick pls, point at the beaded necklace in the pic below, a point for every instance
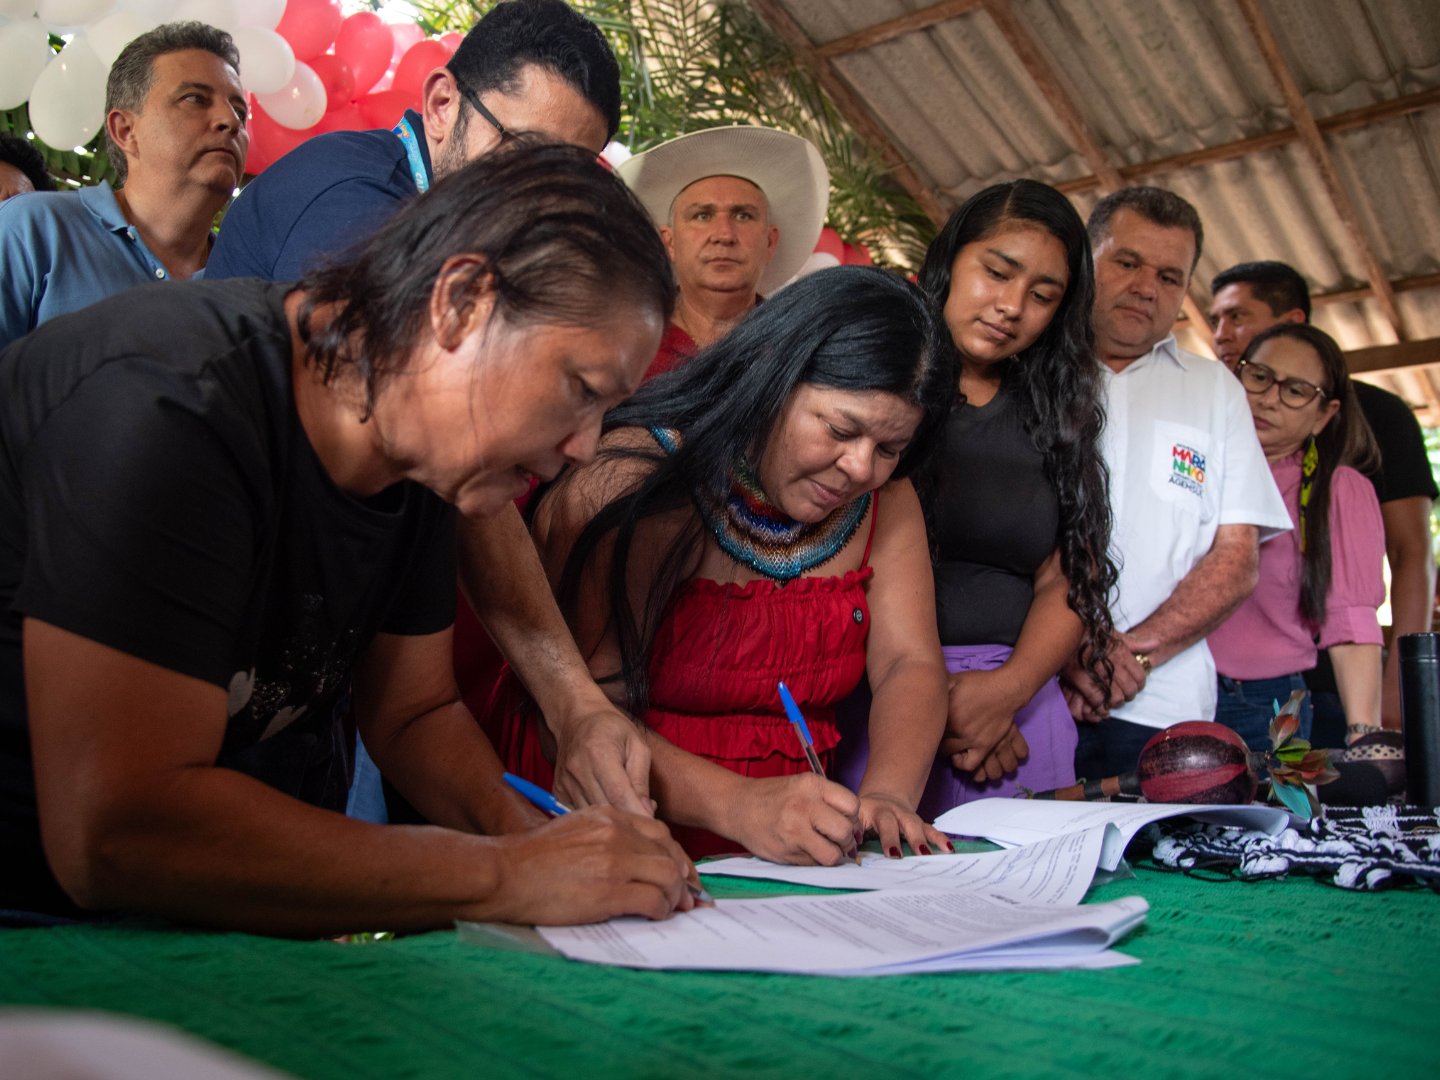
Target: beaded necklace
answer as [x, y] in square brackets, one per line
[758, 534]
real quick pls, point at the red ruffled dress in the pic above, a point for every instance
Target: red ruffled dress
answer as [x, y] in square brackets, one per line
[715, 665]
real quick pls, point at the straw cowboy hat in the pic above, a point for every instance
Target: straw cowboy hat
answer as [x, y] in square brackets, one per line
[787, 168]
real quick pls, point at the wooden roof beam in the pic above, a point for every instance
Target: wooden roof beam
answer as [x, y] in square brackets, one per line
[850, 106]
[1389, 357]
[1107, 175]
[1397, 285]
[1314, 142]
[893, 28]
[1345, 121]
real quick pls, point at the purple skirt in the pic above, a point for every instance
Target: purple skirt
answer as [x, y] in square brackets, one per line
[1046, 723]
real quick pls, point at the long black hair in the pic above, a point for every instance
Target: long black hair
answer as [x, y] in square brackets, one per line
[852, 328]
[1346, 440]
[563, 242]
[1055, 384]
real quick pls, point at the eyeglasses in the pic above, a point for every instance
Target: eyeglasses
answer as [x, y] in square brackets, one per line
[1257, 379]
[474, 100]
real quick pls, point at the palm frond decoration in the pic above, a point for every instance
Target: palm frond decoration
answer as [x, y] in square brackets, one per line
[692, 64]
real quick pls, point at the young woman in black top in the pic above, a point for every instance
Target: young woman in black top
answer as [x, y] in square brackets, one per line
[223, 503]
[1017, 498]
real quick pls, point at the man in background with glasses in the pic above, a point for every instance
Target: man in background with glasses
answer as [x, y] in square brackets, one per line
[1255, 296]
[529, 67]
[1190, 490]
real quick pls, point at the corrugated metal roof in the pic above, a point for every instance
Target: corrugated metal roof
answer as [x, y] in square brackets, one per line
[1152, 78]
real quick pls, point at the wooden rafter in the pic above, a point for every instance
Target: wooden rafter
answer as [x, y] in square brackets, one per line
[893, 28]
[850, 107]
[1314, 142]
[1388, 357]
[1397, 285]
[1345, 121]
[1107, 175]
[1364, 292]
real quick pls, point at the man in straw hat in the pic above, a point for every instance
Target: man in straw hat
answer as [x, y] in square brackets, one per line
[739, 209]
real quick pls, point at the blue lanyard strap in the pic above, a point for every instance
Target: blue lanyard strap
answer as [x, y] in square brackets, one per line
[406, 134]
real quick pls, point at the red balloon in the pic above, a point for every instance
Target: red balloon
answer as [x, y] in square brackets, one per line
[831, 244]
[383, 110]
[310, 26]
[405, 35]
[366, 44]
[452, 40]
[338, 79]
[346, 118]
[416, 64]
[857, 255]
[270, 140]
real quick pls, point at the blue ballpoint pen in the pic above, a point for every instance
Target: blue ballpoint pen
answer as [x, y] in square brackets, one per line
[551, 805]
[802, 732]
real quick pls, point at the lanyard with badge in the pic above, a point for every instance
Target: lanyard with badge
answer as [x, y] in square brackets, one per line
[406, 134]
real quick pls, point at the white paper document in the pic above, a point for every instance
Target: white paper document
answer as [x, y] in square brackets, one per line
[1057, 870]
[1031, 821]
[887, 932]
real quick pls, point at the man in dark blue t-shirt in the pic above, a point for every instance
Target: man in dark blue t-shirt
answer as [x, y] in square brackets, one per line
[529, 66]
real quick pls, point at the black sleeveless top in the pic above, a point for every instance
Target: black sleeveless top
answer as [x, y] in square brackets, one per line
[996, 520]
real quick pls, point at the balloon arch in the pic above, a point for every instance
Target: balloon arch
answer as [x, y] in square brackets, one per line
[306, 67]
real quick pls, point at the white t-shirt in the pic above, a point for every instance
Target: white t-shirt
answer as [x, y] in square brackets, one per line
[1184, 460]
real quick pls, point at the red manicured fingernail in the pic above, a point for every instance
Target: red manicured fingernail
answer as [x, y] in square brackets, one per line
[924, 849]
[893, 852]
[949, 847]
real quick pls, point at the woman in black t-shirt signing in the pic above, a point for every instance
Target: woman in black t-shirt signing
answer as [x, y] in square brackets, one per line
[1018, 502]
[224, 504]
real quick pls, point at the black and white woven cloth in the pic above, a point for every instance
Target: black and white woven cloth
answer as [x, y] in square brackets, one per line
[1365, 849]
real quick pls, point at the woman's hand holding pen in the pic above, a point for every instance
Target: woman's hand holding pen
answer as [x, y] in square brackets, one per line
[589, 866]
[804, 820]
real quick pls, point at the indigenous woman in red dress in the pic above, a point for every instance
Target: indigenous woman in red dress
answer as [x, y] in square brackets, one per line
[747, 521]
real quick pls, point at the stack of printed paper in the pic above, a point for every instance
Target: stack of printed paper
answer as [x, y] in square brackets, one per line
[998, 910]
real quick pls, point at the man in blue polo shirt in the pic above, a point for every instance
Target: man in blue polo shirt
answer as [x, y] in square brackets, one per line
[529, 66]
[175, 132]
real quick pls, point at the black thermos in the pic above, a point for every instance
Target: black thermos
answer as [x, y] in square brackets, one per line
[1420, 709]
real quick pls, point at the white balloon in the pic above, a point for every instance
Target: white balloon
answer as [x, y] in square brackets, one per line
[74, 12]
[154, 12]
[24, 53]
[267, 63]
[67, 105]
[265, 14]
[222, 13]
[300, 103]
[17, 9]
[112, 33]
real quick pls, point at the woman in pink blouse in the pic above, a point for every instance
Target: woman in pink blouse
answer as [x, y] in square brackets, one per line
[1324, 578]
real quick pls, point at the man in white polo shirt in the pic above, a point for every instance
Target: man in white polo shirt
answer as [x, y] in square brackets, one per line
[1190, 490]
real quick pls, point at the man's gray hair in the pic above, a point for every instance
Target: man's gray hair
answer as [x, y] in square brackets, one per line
[132, 76]
[1163, 208]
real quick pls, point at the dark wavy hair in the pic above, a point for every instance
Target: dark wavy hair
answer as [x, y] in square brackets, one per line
[852, 328]
[1055, 384]
[1346, 440]
[564, 243]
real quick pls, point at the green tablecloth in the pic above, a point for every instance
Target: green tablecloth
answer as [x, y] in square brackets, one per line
[1290, 979]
